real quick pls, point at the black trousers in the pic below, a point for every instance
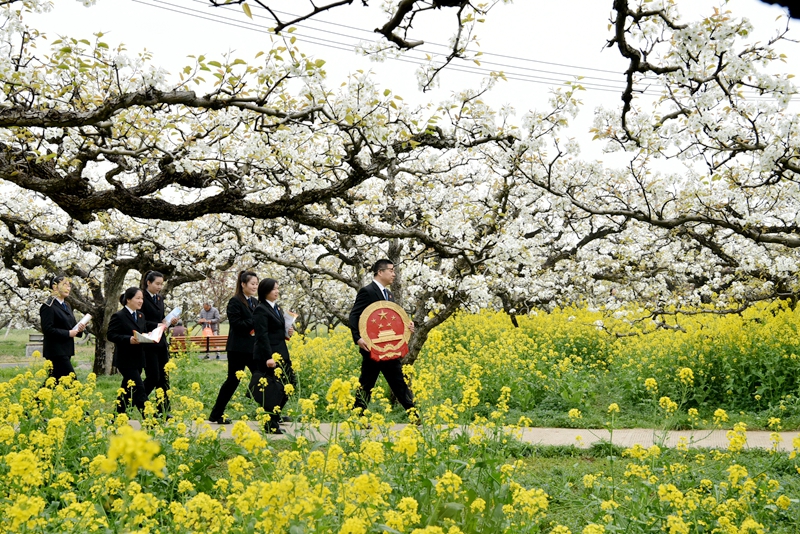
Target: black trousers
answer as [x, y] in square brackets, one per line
[237, 361]
[268, 391]
[62, 366]
[393, 373]
[155, 376]
[131, 396]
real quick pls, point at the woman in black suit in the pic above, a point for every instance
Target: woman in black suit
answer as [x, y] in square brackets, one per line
[156, 355]
[240, 341]
[59, 328]
[271, 336]
[129, 357]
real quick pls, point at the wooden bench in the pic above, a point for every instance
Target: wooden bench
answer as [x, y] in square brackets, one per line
[198, 343]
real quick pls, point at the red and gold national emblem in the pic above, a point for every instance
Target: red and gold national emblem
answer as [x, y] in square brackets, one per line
[384, 327]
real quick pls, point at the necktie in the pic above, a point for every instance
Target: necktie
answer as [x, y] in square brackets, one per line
[64, 305]
[155, 299]
[133, 315]
[250, 302]
[385, 293]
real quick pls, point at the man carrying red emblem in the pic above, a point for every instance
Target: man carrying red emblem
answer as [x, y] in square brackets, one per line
[381, 329]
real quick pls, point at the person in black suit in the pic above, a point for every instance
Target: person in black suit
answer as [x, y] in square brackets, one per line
[383, 272]
[241, 339]
[59, 328]
[156, 355]
[271, 335]
[129, 357]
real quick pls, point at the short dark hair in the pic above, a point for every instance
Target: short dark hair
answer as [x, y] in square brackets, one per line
[265, 287]
[380, 265]
[55, 280]
[128, 295]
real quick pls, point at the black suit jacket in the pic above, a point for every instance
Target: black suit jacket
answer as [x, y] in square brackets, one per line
[366, 296]
[153, 315]
[120, 330]
[56, 324]
[270, 332]
[240, 319]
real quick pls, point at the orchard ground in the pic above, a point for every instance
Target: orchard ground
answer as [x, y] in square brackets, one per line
[474, 465]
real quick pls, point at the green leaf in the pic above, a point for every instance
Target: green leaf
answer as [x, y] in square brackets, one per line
[246, 9]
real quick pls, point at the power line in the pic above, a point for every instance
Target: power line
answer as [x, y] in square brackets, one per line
[406, 58]
[371, 35]
[584, 80]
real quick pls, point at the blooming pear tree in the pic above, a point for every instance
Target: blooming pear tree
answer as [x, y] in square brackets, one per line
[102, 258]
[714, 160]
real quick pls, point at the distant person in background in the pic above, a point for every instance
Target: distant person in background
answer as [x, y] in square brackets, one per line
[129, 357]
[179, 329]
[59, 328]
[241, 339]
[209, 316]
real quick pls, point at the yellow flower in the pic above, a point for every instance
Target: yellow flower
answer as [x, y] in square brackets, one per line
[405, 515]
[613, 408]
[783, 502]
[667, 404]
[477, 506]
[24, 513]
[373, 451]
[737, 438]
[720, 416]
[24, 468]
[651, 385]
[686, 376]
[135, 450]
[574, 413]
[676, 525]
[353, 525]
[735, 473]
[593, 528]
[449, 484]
[609, 505]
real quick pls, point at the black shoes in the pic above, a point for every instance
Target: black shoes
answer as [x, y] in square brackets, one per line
[221, 420]
[286, 419]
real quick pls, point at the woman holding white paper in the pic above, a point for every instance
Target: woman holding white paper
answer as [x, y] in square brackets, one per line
[271, 335]
[129, 357]
[59, 328]
[157, 354]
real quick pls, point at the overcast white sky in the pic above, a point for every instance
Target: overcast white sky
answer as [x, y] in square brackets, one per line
[538, 44]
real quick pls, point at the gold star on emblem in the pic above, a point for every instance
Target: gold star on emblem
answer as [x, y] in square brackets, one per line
[383, 315]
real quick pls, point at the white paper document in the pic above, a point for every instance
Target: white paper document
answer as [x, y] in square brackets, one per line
[85, 319]
[151, 337]
[288, 320]
[176, 312]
